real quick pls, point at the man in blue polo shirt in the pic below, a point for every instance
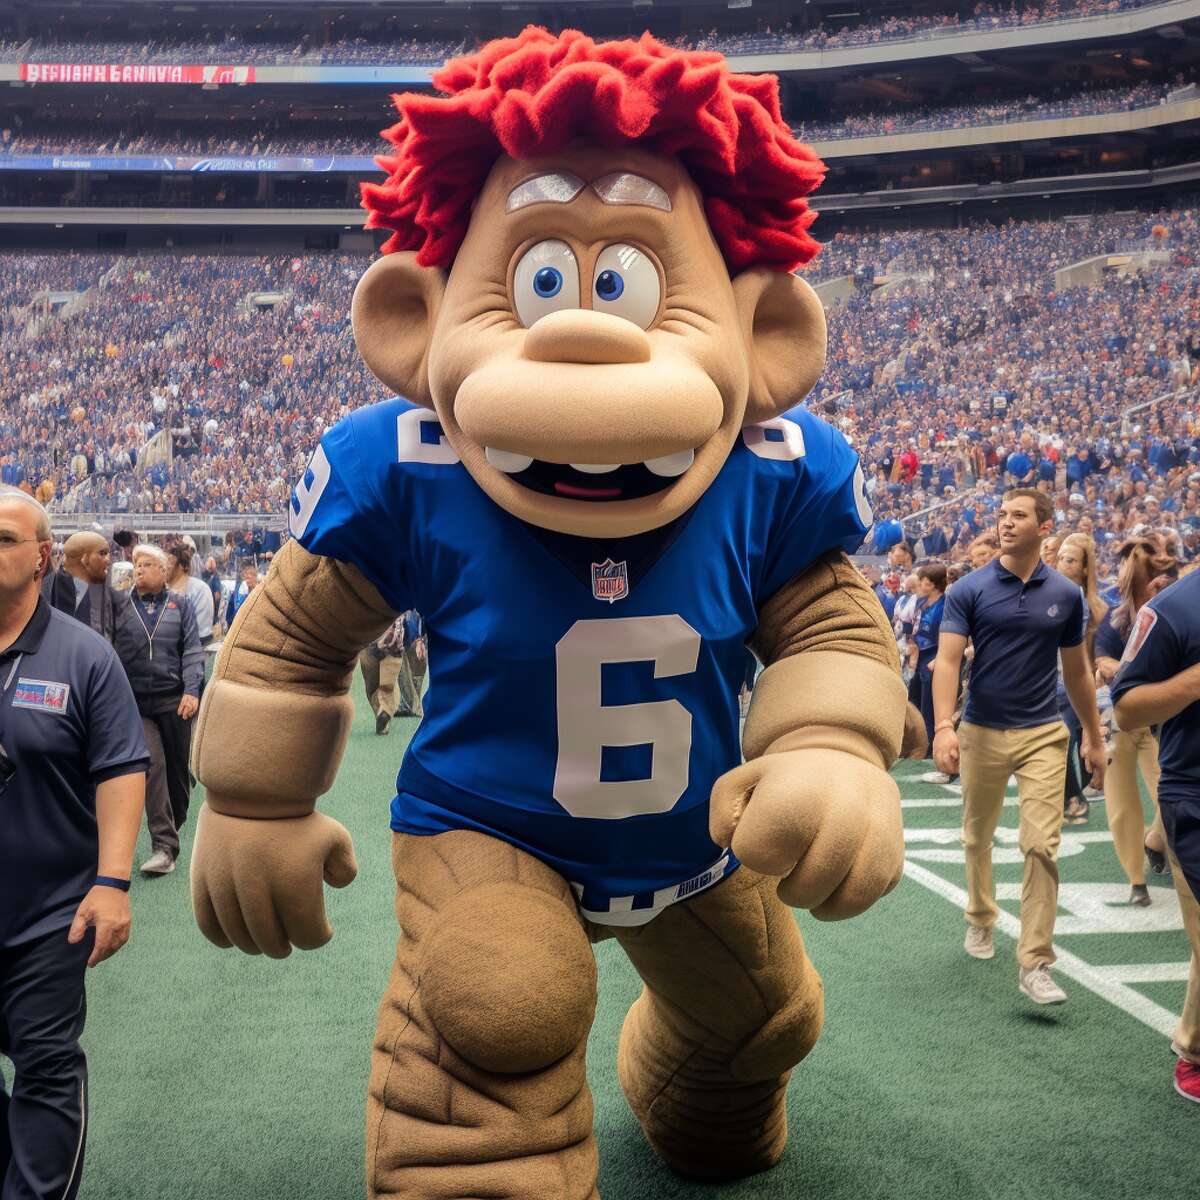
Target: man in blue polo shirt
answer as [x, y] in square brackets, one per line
[1159, 684]
[72, 778]
[1020, 616]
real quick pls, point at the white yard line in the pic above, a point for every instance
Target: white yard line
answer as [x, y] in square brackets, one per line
[1097, 980]
[1146, 972]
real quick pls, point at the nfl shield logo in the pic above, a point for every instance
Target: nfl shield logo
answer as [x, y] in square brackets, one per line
[610, 580]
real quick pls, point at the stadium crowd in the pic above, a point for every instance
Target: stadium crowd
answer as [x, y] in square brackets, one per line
[176, 391]
[98, 133]
[913, 118]
[234, 49]
[956, 386]
[85, 134]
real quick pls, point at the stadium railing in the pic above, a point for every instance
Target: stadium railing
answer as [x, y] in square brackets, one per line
[177, 522]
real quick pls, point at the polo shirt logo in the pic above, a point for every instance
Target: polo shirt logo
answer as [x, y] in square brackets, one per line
[1052, 611]
[41, 695]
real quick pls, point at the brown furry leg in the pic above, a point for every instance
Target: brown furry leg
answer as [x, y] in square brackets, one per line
[731, 1004]
[478, 1086]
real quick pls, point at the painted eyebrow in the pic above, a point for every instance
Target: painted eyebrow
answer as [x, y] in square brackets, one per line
[561, 187]
[555, 187]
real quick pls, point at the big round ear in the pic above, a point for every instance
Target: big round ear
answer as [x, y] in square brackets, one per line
[393, 310]
[783, 323]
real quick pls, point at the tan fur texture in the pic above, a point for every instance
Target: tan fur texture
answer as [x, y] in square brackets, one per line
[730, 1005]
[814, 804]
[268, 741]
[441, 1126]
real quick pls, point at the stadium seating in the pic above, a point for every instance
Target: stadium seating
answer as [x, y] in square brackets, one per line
[947, 374]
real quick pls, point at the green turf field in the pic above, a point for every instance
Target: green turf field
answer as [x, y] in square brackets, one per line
[217, 1075]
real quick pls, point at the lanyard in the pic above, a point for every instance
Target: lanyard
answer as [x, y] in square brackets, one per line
[149, 632]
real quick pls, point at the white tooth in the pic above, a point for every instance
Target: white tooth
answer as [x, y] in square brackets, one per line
[507, 461]
[672, 464]
[595, 468]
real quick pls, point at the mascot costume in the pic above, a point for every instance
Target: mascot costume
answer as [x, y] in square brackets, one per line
[598, 491]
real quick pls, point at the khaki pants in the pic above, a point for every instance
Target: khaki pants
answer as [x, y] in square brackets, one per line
[1038, 758]
[379, 678]
[412, 678]
[1131, 749]
[1187, 1036]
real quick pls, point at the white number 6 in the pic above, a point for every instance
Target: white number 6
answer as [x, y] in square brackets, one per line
[586, 726]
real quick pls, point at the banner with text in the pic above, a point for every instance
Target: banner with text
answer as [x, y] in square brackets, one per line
[135, 73]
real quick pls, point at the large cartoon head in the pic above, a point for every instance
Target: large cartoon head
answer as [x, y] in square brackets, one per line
[590, 278]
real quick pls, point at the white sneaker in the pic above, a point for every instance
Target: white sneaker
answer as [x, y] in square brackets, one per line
[979, 942]
[159, 863]
[1038, 984]
[939, 777]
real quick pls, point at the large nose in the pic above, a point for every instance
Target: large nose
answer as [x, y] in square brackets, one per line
[579, 335]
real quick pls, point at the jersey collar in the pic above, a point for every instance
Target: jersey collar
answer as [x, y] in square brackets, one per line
[29, 640]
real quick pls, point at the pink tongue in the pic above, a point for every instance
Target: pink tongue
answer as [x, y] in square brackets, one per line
[584, 493]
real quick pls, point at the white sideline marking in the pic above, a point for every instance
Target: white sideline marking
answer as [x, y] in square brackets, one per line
[946, 802]
[1095, 980]
[1146, 972]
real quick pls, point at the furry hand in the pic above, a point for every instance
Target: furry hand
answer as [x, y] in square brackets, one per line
[826, 821]
[257, 884]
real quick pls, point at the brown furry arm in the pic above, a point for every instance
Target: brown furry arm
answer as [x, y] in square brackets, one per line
[276, 714]
[832, 677]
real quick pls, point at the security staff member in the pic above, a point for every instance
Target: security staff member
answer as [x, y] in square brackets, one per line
[1159, 684]
[1020, 615]
[72, 777]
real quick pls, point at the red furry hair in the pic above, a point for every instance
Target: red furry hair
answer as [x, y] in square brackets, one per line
[529, 96]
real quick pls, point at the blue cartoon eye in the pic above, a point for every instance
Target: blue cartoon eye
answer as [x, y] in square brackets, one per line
[547, 282]
[609, 285]
[626, 279]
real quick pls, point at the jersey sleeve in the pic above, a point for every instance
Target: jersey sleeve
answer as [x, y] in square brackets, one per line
[822, 503]
[1109, 643]
[338, 509]
[1075, 625]
[956, 616]
[115, 742]
[1152, 654]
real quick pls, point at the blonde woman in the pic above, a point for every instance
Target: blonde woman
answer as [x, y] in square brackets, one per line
[1141, 561]
[1077, 561]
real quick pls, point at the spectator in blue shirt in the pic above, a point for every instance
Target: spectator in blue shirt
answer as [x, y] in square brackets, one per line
[1159, 684]
[1079, 467]
[1020, 616]
[239, 594]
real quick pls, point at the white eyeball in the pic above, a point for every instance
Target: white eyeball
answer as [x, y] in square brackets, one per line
[626, 284]
[545, 281]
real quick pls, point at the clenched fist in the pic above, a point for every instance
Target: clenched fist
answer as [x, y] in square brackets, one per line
[259, 884]
[825, 821]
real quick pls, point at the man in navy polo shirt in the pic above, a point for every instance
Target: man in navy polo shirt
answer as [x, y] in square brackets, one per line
[1159, 684]
[72, 778]
[1021, 616]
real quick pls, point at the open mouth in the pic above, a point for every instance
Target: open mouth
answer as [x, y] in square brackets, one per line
[592, 481]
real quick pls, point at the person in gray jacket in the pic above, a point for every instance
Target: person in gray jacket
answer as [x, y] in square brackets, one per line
[158, 642]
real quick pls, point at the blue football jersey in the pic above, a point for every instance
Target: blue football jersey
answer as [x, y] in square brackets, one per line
[581, 713]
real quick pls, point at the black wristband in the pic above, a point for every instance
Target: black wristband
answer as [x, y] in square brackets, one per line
[122, 885]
